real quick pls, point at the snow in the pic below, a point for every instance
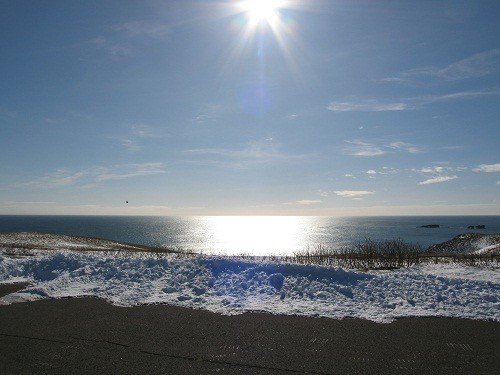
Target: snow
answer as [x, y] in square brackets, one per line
[23, 240]
[469, 243]
[488, 249]
[237, 285]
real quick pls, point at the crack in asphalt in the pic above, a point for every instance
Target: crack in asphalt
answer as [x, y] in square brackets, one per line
[34, 338]
[175, 356]
[236, 364]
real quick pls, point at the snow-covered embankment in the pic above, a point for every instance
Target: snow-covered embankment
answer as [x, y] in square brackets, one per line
[233, 286]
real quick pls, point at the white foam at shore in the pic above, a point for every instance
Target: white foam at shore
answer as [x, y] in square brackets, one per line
[233, 286]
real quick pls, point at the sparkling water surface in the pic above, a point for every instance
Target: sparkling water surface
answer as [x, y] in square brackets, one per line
[253, 235]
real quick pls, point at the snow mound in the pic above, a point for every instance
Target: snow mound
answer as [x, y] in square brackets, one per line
[22, 242]
[469, 243]
[235, 285]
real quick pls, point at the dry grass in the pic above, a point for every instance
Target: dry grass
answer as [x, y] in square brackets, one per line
[365, 255]
[385, 255]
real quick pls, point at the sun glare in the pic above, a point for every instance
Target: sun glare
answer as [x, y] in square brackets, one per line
[261, 23]
[261, 10]
[257, 235]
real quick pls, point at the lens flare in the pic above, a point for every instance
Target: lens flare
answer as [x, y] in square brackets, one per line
[262, 10]
[259, 26]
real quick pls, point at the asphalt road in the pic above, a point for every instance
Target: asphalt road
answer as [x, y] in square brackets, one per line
[91, 336]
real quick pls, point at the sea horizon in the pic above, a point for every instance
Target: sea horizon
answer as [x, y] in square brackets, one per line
[254, 235]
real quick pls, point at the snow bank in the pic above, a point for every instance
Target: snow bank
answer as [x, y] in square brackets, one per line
[469, 243]
[22, 241]
[233, 286]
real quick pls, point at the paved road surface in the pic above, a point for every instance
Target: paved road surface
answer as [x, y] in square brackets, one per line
[90, 336]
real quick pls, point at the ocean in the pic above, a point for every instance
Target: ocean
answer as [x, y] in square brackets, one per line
[253, 235]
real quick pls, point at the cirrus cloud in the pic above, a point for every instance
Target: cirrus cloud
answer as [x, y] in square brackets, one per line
[98, 174]
[363, 148]
[474, 66]
[353, 194]
[368, 106]
[437, 180]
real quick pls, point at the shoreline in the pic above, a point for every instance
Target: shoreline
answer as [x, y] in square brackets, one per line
[144, 230]
[90, 335]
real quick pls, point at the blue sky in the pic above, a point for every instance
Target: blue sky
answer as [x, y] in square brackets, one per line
[203, 108]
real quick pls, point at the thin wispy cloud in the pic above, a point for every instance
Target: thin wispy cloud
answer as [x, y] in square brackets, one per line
[111, 46]
[58, 178]
[438, 173]
[304, 202]
[353, 194]
[94, 175]
[437, 180]
[133, 139]
[210, 113]
[143, 131]
[361, 148]
[27, 203]
[488, 168]
[404, 146]
[379, 173]
[367, 149]
[410, 103]
[462, 95]
[253, 150]
[253, 154]
[478, 65]
[149, 29]
[475, 66]
[130, 144]
[121, 42]
[308, 202]
[437, 169]
[121, 172]
[367, 106]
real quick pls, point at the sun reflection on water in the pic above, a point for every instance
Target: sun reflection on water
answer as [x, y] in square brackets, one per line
[255, 235]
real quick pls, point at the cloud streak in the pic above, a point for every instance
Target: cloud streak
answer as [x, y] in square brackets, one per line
[63, 178]
[137, 134]
[361, 148]
[353, 194]
[144, 28]
[438, 174]
[303, 202]
[122, 42]
[253, 154]
[367, 149]
[308, 202]
[437, 180]
[404, 146]
[475, 66]
[412, 103]
[367, 106]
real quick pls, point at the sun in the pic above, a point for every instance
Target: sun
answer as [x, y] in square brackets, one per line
[262, 10]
